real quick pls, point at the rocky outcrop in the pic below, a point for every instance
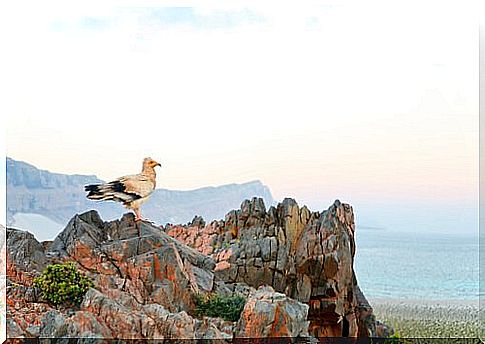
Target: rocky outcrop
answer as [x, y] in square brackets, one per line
[305, 255]
[136, 262]
[145, 282]
[293, 266]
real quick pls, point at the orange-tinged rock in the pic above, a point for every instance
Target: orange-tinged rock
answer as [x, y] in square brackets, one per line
[305, 256]
[271, 314]
[222, 265]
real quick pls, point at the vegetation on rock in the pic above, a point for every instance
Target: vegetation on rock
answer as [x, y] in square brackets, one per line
[226, 307]
[62, 284]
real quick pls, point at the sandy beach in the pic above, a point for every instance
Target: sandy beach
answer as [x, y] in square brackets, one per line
[431, 319]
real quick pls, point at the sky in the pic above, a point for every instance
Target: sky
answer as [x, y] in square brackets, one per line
[372, 103]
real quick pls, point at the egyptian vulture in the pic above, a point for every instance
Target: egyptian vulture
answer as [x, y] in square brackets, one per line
[130, 190]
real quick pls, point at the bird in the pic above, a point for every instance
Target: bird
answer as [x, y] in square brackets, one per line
[131, 190]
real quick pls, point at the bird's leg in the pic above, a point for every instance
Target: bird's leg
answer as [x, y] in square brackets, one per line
[138, 219]
[137, 214]
[138, 228]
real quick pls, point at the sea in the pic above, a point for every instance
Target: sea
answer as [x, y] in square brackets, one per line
[417, 266]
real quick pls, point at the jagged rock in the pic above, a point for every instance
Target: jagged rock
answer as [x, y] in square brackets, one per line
[25, 256]
[147, 321]
[305, 255]
[197, 221]
[145, 277]
[107, 310]
[271, 314]
[145, 283]
[136, 258]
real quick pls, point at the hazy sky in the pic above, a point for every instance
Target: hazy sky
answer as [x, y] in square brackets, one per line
[376, 105]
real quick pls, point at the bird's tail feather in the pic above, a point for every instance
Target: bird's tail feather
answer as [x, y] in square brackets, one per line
[97, 191]
[106, 192]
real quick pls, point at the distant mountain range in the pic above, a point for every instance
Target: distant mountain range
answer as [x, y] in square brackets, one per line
[43, 201]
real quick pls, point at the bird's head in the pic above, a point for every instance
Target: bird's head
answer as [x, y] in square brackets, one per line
[149, 162]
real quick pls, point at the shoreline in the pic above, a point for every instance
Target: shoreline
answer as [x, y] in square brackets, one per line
[429, 318]
[423, 302]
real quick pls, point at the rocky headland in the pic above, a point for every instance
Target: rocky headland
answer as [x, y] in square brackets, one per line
[294, 268]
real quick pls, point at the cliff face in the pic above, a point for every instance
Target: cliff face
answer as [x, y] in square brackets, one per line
[305, 255]
[293, 266]
[54, 195]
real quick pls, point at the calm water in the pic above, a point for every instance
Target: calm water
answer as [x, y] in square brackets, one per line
[417, 265]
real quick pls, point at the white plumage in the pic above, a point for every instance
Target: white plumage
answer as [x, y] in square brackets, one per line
[132, 190]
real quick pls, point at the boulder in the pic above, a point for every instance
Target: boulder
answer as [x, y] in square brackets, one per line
[271, 314]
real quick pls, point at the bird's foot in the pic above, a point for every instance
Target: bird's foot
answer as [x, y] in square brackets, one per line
[138, 215]
[141, 219]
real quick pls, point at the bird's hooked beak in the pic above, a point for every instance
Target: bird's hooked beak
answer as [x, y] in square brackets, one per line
[150, 163]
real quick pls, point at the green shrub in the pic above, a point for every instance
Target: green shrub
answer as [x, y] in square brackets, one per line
[62, 284]
[226, 307]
